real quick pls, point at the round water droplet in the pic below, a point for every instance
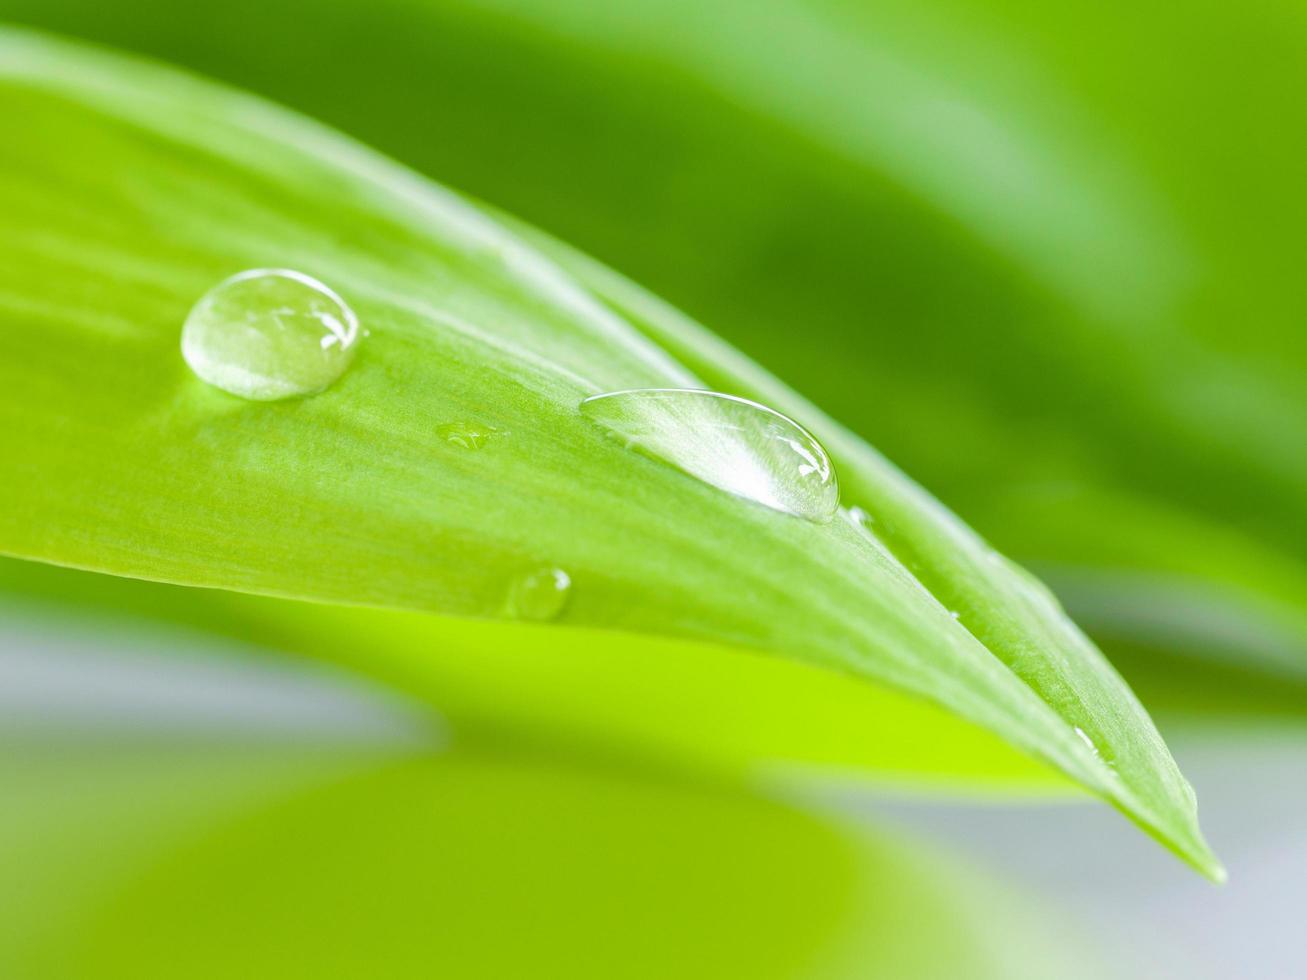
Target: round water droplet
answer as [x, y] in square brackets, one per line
[539, 594]
[731, 443]
[270, 333]
[466, 435]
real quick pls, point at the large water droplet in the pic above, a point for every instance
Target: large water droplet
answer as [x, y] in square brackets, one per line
[732, 443]
[539, 594]
[270, 333]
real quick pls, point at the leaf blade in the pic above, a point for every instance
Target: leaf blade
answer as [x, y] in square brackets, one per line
[128, 465]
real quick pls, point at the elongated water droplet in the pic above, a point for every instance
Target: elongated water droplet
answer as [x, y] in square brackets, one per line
[270, 333]
[539, 594]
[466, 435]
[731, 443]
[1103, 752]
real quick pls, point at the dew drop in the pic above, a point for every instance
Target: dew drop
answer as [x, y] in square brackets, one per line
[267, 334]
[466, 435]
[539, 594]
[731, 443]
[859, 518]
[1084, 737]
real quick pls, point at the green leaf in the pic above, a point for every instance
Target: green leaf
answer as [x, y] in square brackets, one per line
[1207, 622]
[1062, 256]
[134, 189]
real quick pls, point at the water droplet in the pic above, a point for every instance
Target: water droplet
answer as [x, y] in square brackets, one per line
[1086, 739]
[957, 616]
[539, 594]
[731, 443]
[859, 518]
[270, 333]
[466, 435]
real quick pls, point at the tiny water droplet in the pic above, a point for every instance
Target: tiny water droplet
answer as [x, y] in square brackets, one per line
[1084, 737]
[859, 518]
[731, 443]
[267, 334]
[957, 616]
[466, 435]
[539, 594]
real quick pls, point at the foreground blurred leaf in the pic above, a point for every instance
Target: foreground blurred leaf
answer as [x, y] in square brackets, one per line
[132, 189]
[1048, 264]
[209, 860]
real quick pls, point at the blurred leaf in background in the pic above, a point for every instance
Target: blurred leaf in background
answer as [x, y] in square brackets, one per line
[1046, 257]
[146, 861]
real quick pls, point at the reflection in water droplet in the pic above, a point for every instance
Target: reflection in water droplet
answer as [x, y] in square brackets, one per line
[539, 594]
[1087, 740]
[466, 435]
[270, 333]
[731, 443]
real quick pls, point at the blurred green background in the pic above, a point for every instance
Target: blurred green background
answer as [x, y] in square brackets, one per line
[1048, 258]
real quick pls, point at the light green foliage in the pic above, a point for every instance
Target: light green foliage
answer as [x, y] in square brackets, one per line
[135, 189]
[146, 862]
